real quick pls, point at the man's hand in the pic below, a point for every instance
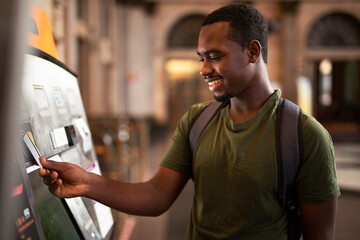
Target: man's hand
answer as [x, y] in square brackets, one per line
[65, 180]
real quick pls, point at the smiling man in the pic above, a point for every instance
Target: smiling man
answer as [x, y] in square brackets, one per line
[234, 165]
[232, 70]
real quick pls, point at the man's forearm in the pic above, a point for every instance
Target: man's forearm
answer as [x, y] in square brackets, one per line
[132, 198]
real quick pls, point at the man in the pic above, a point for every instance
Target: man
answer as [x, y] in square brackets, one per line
[234, 164]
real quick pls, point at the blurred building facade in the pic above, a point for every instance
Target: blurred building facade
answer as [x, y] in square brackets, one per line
[137, 58]
[138, 68]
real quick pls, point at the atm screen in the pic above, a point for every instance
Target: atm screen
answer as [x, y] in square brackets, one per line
[51, 209]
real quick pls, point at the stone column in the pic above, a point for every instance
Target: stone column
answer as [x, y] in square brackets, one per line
[289, 31]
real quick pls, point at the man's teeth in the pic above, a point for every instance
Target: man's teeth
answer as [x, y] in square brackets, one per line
[214, 82]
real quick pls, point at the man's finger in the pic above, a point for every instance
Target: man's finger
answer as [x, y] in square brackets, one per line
[54, 177]
[55, 186]
[52, 165]
[44, 162]
[42, 172]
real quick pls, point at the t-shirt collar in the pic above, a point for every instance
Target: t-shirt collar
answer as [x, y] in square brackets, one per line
[269, 104]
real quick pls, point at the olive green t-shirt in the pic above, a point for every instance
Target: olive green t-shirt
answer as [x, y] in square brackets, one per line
[235, 173]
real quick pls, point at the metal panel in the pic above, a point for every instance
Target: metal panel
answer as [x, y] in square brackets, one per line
[53, 108]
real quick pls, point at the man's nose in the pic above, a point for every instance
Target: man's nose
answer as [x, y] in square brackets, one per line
[206, 68]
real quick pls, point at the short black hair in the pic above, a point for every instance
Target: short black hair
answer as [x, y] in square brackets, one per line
[246, 22]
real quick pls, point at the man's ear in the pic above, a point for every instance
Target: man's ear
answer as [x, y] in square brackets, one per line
[254, 51]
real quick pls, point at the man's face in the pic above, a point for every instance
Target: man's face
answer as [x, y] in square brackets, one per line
[226, 66]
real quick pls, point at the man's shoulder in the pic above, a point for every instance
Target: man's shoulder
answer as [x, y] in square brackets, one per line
[311, 125]
[200, 106]
[195, 110]
[315, 136]
[190, 116]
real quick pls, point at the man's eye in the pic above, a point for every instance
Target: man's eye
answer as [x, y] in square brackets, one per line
[215, 59]
[201, 60]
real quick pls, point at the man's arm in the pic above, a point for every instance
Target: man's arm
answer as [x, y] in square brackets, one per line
[150, 198]
[318, 220]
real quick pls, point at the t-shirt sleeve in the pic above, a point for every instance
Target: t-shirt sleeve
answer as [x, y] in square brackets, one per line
[317, 181]
[178, 156]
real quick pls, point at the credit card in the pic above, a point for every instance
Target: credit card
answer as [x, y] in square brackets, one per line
[32, 148]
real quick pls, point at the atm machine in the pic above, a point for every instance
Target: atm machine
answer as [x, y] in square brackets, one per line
[53, 116]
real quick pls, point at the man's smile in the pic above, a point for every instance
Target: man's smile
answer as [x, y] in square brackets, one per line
[214, 84]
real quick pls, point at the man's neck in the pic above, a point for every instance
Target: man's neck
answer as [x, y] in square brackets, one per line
[243, 108]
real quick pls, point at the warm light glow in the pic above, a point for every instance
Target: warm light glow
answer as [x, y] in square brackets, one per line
[325, 96]
[182, 67]
[325, 67]
[304, 92]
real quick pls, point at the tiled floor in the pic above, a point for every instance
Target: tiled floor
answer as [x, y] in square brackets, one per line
[348, 165]
[348, 174]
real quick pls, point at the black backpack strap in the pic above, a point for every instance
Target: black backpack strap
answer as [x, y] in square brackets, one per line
[201, 122]
[289, 158]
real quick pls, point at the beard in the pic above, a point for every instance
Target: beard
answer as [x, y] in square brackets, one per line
[223, 98]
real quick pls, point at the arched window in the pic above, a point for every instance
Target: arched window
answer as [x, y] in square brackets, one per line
[184, 34]
[337, 81]
[335, 30]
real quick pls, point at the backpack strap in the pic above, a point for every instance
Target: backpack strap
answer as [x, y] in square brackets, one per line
[289, 155]
[202, 121]
[287, 147]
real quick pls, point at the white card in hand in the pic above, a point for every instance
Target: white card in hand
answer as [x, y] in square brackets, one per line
[32, 147]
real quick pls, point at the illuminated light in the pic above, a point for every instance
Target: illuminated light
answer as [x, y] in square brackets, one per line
[326, 99]
[304, 93]
[325, 67]
[182, 66]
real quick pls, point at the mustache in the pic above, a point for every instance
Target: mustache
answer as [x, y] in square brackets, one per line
[213, 76]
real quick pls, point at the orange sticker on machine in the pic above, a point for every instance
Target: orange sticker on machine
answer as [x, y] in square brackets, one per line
[18, 190]
[43, 38]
